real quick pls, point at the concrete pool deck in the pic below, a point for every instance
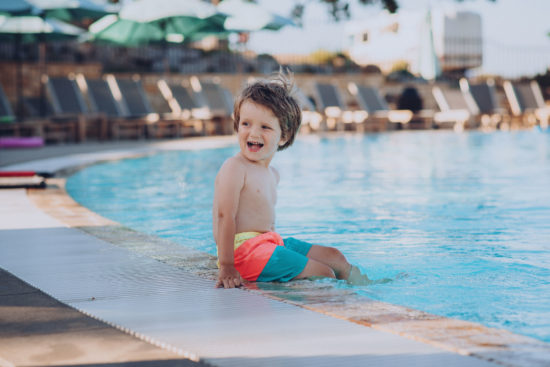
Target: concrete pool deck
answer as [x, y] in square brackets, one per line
[140, 299]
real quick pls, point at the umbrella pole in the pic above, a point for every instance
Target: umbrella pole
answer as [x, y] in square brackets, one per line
[166, 56]
[19, 78]
[166, 60]
[42, 69]
[42, 72]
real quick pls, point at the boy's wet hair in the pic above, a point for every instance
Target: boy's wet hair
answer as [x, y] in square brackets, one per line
[276, 94]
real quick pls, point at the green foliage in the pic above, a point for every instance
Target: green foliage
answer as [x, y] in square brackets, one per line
[321, 57]
[389, 5]
[400, 65]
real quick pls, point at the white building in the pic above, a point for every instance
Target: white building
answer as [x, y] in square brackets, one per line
[427, 41]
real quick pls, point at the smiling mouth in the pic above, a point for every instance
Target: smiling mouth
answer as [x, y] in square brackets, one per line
[253, 146]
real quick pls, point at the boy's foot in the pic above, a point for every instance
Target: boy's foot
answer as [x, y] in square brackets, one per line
[357, 278]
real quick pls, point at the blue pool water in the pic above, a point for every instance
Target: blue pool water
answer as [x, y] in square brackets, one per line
[465, 216]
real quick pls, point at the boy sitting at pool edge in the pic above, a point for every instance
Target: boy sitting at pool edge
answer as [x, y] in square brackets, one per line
[266, 119]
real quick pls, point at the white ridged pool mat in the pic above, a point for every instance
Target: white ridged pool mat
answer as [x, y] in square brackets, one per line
[186, 313]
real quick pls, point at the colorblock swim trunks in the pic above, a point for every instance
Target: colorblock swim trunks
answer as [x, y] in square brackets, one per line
[266, 257]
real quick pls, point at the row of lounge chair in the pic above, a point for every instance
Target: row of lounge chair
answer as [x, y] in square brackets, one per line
[78, 108]
[473, 105]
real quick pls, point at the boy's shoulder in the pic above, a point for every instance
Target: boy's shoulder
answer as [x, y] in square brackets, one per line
[234, 161]
[233, 165]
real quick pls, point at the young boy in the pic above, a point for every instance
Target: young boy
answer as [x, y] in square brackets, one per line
[266, 119]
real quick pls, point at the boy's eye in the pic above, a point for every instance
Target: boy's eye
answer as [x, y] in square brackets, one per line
[244, 123]
[266, 127]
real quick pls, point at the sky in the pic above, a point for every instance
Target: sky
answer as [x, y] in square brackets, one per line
[515, 32]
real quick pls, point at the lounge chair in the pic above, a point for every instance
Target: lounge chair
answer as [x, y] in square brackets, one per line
[454, 110]
[337, 115]
[7, 117]
[136, 105]
[379, 113]
[39, 119]
[217, 103]
[69, 106]
[483, 102]
[6, 112]
[526, 102]
[311, 119]
[8, 125]
[183, 105]
[104, 96]
[33, 128]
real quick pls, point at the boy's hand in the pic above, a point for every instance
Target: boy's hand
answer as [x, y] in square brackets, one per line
[228, 277]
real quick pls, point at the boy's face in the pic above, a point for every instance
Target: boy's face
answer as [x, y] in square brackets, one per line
[259, 133]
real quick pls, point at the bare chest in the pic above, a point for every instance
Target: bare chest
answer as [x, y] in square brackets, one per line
[260, 192]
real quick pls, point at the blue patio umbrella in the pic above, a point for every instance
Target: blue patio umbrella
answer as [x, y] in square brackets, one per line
[16, 7]
[72, 10]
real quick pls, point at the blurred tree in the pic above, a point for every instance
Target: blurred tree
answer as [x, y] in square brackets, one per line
[322, 56]
[340, 9]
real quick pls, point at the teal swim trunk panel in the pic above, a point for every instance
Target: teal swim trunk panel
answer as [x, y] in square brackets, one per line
[294, 244]
[286, 262]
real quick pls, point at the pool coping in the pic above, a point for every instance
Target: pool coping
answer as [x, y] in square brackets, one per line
[462, 337]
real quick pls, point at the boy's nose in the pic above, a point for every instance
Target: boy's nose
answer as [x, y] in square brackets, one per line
[255, 131]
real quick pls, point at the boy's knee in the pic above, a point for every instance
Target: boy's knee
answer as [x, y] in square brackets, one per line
[316, 269]
[335, 254]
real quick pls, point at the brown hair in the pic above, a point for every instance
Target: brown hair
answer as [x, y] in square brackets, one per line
[276, 94]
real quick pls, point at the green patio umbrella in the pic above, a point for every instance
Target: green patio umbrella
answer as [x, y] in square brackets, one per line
[112, 29]
[155, 21]
[33, 29]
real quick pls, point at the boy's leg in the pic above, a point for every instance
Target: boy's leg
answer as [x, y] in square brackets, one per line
[331, 257]
[316, 269]
[328, 256]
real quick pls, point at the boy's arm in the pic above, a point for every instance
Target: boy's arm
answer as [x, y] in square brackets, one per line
[228, 187]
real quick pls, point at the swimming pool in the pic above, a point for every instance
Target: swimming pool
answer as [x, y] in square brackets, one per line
[465, 216]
